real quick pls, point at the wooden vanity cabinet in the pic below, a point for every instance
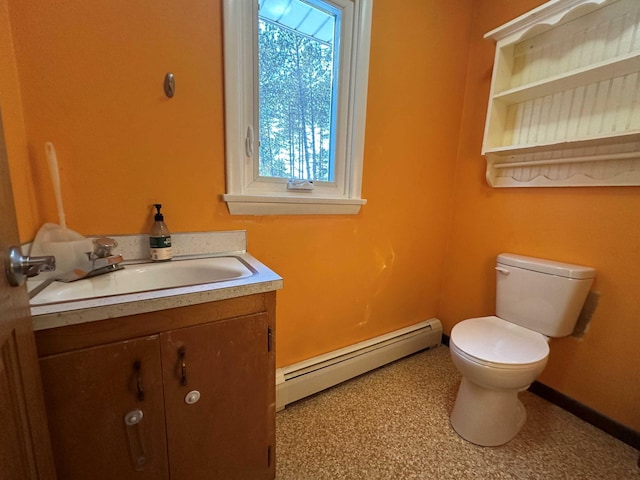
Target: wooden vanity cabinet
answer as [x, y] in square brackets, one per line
[202, 376]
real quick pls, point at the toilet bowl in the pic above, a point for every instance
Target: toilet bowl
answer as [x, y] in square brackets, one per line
[497, 359]
[499, 356]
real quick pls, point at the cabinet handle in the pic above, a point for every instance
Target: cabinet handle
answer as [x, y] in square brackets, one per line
[137, 366]
[134, 437]
[183, 366]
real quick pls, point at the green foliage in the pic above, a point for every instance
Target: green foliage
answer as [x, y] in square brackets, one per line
[296, 104]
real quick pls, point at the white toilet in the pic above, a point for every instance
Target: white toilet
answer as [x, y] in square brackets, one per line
[502, 355]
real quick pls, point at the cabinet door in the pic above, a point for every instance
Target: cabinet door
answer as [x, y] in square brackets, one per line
[88, 394]
[229, 432]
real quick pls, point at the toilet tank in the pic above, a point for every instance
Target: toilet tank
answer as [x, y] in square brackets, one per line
[541, 295]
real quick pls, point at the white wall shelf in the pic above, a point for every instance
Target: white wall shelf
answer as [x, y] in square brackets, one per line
[564, 107]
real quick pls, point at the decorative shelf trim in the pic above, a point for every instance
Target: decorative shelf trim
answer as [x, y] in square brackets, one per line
[605, 165]
[539, 177]
[551, 14]
[566, 161]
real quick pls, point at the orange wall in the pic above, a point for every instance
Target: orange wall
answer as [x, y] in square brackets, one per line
[14, 127]
[599, 227]
[89, 78]
[91, 75]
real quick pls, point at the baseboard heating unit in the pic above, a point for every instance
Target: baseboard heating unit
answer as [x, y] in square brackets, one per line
[311, 376]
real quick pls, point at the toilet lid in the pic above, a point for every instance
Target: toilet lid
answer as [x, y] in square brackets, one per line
[495, 340]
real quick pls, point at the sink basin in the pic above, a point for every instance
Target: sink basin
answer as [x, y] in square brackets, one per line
[145, 277]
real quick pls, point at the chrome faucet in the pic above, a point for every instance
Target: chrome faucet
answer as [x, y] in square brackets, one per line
[102, 257]
[100, 261]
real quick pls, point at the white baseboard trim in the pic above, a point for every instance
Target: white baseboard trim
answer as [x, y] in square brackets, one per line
[318, 373]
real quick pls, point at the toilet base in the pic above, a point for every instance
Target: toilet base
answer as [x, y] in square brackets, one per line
[486, 416]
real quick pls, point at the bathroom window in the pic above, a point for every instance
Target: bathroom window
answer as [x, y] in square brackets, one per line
[296, 76]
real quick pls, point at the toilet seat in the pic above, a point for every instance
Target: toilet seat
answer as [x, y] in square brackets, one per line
[496, 343]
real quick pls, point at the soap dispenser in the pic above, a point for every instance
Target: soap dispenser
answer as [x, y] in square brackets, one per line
[160, 238]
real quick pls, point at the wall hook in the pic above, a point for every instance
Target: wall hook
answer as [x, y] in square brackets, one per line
[169, 85]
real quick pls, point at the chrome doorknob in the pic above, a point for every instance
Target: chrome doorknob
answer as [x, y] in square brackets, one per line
[18, 267]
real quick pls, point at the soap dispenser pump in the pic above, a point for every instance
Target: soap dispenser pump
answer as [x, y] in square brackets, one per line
[160, 238]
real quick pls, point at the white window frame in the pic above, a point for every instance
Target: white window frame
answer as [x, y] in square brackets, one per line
[248, 194]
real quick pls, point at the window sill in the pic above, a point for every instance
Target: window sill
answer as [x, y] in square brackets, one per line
[275, 205]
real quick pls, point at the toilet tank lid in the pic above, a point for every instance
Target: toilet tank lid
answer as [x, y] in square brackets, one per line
[550, 267]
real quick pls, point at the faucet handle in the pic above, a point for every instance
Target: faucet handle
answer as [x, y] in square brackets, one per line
[103, 246]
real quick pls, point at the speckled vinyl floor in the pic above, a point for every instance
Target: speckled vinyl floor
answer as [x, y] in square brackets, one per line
[393, 423]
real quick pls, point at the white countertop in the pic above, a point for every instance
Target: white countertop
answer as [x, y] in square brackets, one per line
[54, 315]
